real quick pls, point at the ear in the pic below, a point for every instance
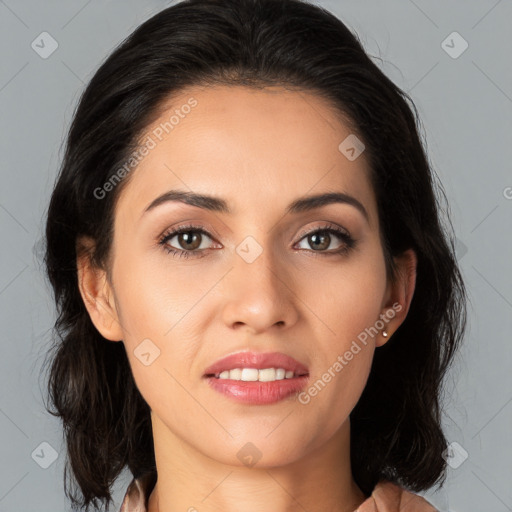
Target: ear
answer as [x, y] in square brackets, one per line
[399, 294]
[97, 292]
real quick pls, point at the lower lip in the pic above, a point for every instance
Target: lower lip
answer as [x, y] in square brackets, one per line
[258, 393]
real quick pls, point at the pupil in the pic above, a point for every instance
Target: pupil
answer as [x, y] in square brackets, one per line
[317, 236]
[185, 239]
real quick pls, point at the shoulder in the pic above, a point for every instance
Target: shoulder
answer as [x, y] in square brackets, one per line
[137, 493]
[390, 497]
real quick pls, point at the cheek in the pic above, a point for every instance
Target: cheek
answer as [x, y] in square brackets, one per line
[338, 381]
[152, 298]
[159, 311]
[347, 298]
[346, 302]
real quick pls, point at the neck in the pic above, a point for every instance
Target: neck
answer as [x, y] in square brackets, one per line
[188, 480]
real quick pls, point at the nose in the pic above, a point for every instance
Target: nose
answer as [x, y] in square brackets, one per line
[259, 295]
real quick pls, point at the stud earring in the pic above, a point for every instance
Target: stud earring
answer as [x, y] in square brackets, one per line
[385, 334]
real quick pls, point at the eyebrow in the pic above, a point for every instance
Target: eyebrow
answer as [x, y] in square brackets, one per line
[216, 204]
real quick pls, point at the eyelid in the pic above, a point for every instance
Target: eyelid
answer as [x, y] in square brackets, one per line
[327, 226]
[181, 228]
[173, 231]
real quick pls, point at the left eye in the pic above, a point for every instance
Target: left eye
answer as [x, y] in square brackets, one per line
[321, 239]
[188, 240]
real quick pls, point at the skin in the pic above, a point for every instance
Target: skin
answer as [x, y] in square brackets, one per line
[259, 150]
[389, 497]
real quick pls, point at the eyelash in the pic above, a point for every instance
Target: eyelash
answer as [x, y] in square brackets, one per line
[349, 242]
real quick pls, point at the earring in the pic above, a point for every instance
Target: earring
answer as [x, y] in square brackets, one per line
[385, 334]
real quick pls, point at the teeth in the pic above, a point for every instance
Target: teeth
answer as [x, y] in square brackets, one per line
[234, 374]
[250, 374]
[280, 374]
[253, 374]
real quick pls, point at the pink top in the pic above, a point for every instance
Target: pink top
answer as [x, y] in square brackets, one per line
[137, 494]
[386, 497]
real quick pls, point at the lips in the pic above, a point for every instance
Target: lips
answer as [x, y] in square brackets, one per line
[256, 360]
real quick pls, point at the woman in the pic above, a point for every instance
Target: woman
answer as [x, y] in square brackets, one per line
[257, 298]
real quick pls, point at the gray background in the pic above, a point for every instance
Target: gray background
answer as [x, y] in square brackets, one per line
[465, 104]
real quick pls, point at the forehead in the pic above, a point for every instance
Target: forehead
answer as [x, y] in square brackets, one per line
[253, 147]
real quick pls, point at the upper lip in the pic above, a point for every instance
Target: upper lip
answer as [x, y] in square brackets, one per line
[257, 360]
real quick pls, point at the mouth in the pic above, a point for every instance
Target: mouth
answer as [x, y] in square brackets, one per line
[257, 379]
[256, 374]
[256, 367]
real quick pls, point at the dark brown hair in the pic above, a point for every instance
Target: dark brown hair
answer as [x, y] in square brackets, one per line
[396, 425]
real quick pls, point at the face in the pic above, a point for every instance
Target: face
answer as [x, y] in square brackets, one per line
[254, 275]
